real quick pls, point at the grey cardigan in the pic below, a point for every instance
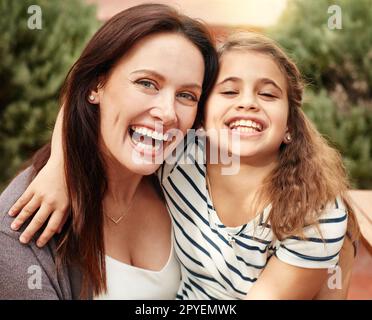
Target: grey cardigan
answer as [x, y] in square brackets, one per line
[26, 271]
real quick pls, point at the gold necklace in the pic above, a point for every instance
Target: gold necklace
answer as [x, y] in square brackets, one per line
[116, 221]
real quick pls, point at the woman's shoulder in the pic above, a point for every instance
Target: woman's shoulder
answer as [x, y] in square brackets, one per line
[27, 272]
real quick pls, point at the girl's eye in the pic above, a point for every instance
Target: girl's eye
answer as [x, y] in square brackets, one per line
[147, 84]
[188, 96]
[229, 93]
[268, 95]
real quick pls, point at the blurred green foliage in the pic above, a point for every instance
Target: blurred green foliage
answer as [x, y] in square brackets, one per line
[337, 66]
[33, 65]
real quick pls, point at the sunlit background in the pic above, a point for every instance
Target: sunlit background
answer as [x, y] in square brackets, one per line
[230, 13]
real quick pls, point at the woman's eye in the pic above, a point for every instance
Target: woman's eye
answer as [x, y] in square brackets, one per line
[146, 83]
[187, 96]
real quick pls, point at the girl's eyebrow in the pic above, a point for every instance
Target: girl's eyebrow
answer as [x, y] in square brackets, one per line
[272, 82]
[233, 79]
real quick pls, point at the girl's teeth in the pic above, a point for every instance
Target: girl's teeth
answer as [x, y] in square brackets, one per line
[246, 124]
[244, 129]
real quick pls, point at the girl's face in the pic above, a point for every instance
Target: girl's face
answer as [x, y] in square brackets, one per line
[250, 100]
[155, 87]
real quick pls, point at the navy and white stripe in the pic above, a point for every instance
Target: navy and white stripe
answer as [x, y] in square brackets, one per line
[215, 267]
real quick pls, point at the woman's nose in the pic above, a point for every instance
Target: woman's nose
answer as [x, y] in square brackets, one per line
[165, 112]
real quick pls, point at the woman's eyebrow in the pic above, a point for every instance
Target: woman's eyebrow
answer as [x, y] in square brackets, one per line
[272, 82]
[150, 72]
[192, 86]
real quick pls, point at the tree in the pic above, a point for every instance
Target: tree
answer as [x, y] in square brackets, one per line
[34, 63]
[337, 65]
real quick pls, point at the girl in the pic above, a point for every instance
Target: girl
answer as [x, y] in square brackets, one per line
[273, 229]
[284, 213]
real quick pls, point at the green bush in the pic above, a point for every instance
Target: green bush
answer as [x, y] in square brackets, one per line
[348, 131]
[337, 64]
[33, 66]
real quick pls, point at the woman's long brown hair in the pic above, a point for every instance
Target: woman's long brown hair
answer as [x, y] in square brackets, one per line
[82, 239]
[310, 173]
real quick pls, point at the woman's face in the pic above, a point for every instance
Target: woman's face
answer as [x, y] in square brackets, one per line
[154, 88]
[249, 100]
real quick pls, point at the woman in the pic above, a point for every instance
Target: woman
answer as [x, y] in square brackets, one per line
[124, 79]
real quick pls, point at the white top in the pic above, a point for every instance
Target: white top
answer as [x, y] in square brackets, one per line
[221, 262]
[126, 282]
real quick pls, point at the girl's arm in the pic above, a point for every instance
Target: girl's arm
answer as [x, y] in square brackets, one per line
[45, 197]
[276, 285]
[282, 281]
[300, 266]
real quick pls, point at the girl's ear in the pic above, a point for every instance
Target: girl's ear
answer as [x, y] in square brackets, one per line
[287, 137]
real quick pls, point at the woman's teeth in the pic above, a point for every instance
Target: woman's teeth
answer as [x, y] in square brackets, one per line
[245, 126]
[151, 133]
[148, 146]
[148, 139]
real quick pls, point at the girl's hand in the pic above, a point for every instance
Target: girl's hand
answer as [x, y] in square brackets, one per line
[45, 197]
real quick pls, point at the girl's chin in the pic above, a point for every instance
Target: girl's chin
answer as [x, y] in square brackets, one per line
[242, 153]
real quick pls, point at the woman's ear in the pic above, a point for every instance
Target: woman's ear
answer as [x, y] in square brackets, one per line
[93, 97]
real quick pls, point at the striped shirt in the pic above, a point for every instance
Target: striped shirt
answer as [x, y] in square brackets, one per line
[221, 262]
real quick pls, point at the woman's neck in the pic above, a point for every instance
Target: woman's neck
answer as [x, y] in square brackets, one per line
[122, 184]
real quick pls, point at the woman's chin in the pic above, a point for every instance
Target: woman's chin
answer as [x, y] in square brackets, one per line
[143, 169]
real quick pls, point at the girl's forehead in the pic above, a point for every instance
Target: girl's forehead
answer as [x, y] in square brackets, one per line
[247, 63]
[243, 60]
